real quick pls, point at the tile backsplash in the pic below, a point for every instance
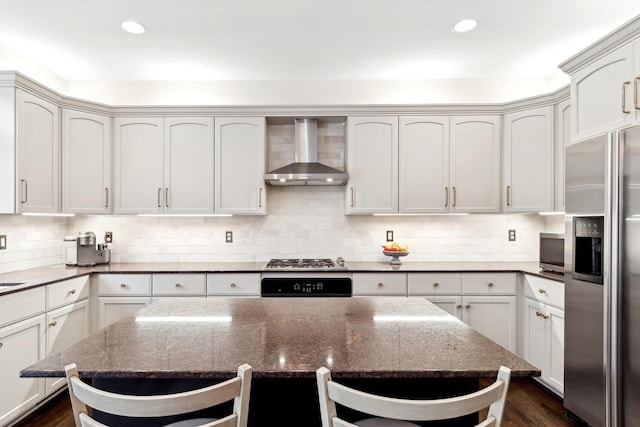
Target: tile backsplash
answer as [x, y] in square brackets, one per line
[302, 222]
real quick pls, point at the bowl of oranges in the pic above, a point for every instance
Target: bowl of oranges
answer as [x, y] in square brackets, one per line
[395, 250]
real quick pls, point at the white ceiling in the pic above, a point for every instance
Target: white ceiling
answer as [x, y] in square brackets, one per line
[304, 39]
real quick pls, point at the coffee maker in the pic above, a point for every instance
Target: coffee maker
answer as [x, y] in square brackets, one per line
[81, 250]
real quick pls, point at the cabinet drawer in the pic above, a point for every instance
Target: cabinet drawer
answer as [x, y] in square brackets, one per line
[124, 284]
[67, 292]
[380, 284]
[233, 284]
[434, 283]
[21, 305]
[179, 284]
[544, 290]
[489, 283]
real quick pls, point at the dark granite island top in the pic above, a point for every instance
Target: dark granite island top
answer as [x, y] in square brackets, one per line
[377, 343]
[372, 337]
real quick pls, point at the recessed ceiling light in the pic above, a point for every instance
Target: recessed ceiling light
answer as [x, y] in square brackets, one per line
[464, 26]
[133, 27]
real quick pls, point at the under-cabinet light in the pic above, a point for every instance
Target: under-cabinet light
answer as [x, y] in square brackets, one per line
[46, 214]
[411, 319]
[183, 215]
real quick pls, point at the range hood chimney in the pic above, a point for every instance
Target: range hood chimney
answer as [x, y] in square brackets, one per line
[306, 170]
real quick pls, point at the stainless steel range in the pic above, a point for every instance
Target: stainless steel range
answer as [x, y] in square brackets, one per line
[306, 277]
[306, 264]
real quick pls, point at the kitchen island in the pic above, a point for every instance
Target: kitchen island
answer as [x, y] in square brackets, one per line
[401, 346]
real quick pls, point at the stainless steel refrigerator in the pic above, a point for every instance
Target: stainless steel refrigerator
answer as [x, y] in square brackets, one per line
[602, 279]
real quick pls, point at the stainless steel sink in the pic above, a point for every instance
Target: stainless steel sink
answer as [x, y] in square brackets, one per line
[11, 283]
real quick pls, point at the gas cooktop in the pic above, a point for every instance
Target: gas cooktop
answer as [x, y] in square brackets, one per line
[323, 264]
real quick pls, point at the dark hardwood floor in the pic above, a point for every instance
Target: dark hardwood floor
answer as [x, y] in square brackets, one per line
[528, 404]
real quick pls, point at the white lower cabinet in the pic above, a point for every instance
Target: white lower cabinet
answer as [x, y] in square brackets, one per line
[179, 284]
[21, 344]
[65, 326]
[233, 284]
[121, 295]
[485, 301]
[387, 284]
[543, 329]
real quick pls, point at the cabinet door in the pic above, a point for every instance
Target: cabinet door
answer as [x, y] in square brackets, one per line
[86, 154]
[492, 316]
[528, 153]
[598, 92]
[139, 166]
[38, 154]
[452, 304]
[561, 142]
[380, 284]
[188, 166]
[475, 164]
[423, 173]
[554, 375]
[65, 326]
[21, 344]
[240, 164]
[112, 309]
[372, 163]
[535, 334]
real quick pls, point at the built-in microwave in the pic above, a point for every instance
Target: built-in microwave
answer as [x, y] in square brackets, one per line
[552, 252]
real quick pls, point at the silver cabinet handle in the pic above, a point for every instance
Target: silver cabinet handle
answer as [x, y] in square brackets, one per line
[436, 284]
[635, 93]
[454, 196]
[233, 285]
[542, 291]
[122, 285]
[1, 344]
[25, 185]
[446, 197]
[106, 197]
[260, 197]
[178, 285]
[468, 306]
[166, 197]
[352, 199]
[491, 285]
[624, 97]
[459, 306]
[72, 291]
[508, 195]
[380, 285]
[54, 323]
[539, 314]
[159, 193]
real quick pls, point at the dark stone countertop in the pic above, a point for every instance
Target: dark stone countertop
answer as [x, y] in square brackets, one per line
[44, 275]
[376, 337]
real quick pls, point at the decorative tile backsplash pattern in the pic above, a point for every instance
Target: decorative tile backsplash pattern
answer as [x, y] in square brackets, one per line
[302, 222]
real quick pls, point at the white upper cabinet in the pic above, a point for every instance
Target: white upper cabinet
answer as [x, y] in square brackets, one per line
[528, 161]
[164, 165]
[139, 165]
[372, 164]
[86, 160]
[240, 164]
[423, 173]
[562, 140]
[602, 93]
[188, 176]
[475, 164]
[38, 154]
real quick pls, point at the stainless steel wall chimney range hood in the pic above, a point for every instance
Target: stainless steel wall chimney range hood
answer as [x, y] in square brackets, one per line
[306, 170]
